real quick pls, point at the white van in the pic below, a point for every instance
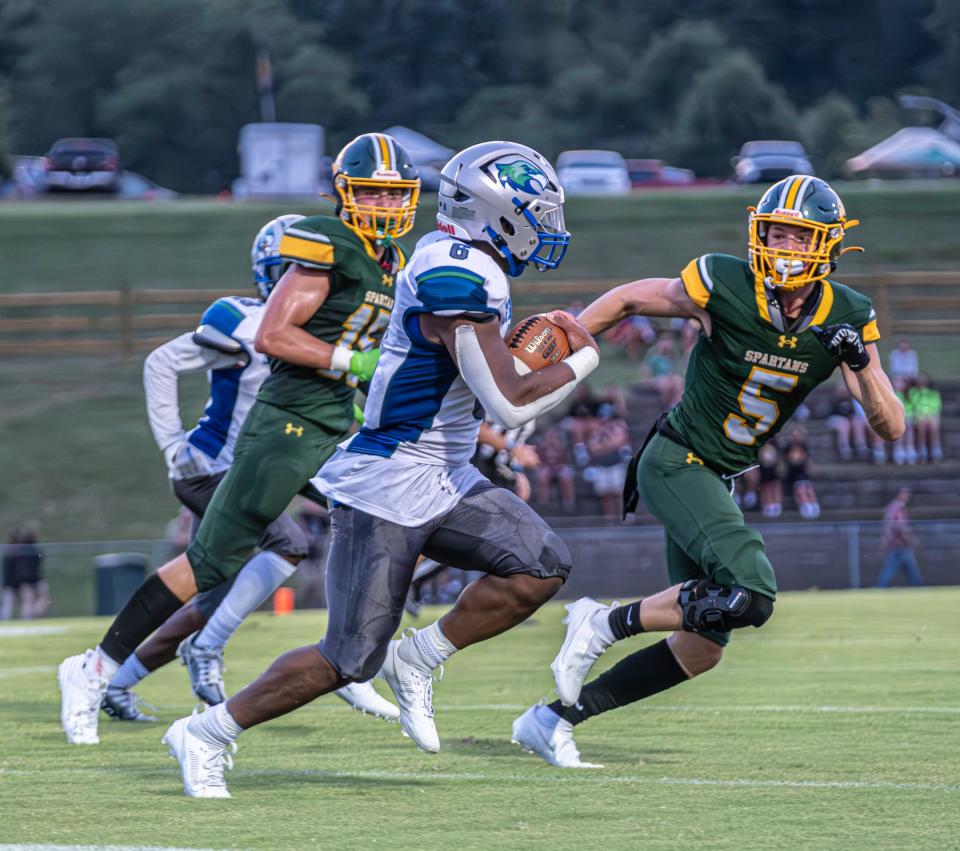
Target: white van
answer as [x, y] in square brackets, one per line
[593, 173]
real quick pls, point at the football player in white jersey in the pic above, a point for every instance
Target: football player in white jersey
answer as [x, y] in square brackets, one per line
[403, 484]
[197, 460]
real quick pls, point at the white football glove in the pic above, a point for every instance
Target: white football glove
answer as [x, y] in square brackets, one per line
[185, 461]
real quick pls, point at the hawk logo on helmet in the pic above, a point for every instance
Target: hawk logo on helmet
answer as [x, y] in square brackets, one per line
[522, 176]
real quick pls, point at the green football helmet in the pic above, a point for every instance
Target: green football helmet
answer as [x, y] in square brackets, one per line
[799, 201]
[373, 164]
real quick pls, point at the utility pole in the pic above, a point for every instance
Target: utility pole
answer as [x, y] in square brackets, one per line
[268, 111]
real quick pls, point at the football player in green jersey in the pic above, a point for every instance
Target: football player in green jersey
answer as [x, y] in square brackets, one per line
[773, 327]
[320, 330]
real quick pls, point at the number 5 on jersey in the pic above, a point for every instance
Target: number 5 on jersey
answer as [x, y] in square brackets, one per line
[763, 411]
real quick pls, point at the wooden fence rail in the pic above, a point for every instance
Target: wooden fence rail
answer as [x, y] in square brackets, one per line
[125, 321]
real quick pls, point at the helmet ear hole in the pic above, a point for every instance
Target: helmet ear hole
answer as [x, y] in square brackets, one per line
[507, 227]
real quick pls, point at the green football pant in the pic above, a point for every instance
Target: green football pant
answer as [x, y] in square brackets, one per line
[277, 453]
[706, 536]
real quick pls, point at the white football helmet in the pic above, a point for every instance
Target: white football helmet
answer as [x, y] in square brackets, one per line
[508, 195]
[265, 254]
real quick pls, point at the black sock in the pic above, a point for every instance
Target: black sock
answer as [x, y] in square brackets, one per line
[641, 674]
[151, 604]
[625, 620]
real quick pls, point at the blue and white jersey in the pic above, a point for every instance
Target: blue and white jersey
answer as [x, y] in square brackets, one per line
[411, 460]
[235, 379]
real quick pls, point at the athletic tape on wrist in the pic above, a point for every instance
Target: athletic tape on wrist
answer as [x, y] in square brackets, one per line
[583, 362]
[340, 358]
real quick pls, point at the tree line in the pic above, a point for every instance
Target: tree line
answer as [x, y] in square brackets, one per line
[172, 81]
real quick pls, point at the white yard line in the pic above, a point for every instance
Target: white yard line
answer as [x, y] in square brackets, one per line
[96, 848]
[13, 672]
[714, 709]
[27, 631]
[589, 777]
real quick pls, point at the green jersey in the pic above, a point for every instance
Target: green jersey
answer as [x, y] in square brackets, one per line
[747, 378]
[354, 314]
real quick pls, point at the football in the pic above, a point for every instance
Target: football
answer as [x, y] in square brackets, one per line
[537, 342]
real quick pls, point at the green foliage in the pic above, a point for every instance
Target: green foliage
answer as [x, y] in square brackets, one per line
[5, 147]
[173, 80]
[827, 128]
[730, 103]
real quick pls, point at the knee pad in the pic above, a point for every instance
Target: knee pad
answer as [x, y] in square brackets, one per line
[707, 606]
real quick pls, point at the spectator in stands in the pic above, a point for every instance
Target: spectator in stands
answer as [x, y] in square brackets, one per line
[661, 368]
[556, 465]
[770, 488]
[797, 475]
[904, 365]
[853, 433]
[898, 543]
[579, 421]
[632, 334]
[23, 577]
[904, 450]
[926, 406]
[504, 456]
[689, 335]
[608, 443]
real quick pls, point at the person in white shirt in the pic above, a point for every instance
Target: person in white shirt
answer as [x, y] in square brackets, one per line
[403, 485]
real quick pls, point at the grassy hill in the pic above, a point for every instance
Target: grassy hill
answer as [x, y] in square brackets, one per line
[75, 452]
[66, 245]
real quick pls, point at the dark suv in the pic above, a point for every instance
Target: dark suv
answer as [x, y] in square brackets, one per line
[83, 165]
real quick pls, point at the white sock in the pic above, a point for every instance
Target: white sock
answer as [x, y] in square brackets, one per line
[129, 673]
[427, 648]
[600, 621]
[215, 726]
[257, 580]
[98, 665]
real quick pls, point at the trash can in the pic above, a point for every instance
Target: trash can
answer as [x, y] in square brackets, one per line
[118, 575]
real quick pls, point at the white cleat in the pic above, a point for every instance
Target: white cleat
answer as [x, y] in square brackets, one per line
[80, 698]
[581, 648]
[201, 763]
[413, 690]
[541, 731]
[363, 696]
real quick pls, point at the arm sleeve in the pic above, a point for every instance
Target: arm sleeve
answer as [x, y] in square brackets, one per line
[478, 377]
[161, 370]
[307, 248]
[698, 282]
[869, 332]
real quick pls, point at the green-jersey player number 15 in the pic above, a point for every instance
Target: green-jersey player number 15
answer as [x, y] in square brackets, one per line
[763, 413]
[362, 331]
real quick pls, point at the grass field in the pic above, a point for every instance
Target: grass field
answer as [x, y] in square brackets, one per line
[834, 727]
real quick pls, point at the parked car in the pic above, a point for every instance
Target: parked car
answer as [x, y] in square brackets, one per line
[593, 173]
[82, 165]
[645, 173]
[770, 161]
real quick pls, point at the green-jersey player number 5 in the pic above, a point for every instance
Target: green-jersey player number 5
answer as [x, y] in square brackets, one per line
[362, 331]
[762, 412]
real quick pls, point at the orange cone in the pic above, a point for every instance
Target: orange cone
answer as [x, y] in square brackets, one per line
[283, 601]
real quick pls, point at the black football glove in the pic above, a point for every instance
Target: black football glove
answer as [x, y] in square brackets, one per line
[842, 341]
